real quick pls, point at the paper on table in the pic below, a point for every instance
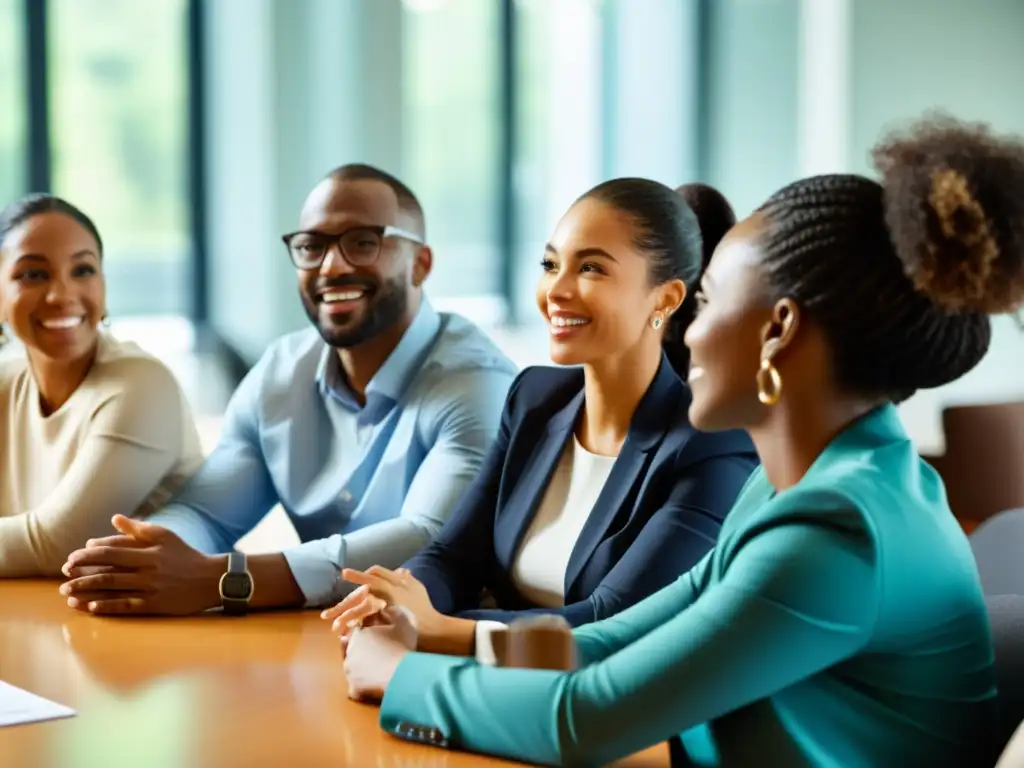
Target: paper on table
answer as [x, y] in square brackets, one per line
[18, 706]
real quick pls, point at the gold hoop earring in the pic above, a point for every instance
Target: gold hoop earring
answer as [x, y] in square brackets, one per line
[768, 371]
[656, 322]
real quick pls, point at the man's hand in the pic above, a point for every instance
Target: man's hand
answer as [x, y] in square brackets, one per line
[145, 570]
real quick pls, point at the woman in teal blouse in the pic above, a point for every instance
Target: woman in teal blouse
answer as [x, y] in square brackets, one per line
[839, 621]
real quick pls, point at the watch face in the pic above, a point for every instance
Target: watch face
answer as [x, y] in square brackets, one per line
[236, 586]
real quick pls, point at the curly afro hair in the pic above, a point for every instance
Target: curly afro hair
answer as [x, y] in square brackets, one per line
[903, 275]
[955, 209]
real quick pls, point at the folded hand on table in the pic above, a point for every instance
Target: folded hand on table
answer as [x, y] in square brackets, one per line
[374, 650]
[144, 570]
[381, 587]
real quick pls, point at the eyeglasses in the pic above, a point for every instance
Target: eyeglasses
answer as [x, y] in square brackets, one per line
[359, 246]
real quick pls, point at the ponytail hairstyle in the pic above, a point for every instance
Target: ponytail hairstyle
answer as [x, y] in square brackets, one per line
[714, 213]
[715, 217]
[675, 238]
[903, 275]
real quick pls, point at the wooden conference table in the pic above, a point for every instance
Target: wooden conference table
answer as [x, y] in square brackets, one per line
[202, 692]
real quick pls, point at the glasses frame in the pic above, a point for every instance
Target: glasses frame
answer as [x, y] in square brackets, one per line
[332, 240]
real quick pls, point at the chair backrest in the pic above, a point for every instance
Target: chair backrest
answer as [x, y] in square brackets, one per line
[983, 466]
[998, 546]
[1006, 617]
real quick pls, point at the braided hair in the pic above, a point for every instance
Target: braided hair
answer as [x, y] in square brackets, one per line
[675, 236]
[902, 276]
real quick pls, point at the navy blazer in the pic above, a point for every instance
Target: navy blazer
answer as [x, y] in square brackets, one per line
[658, 514]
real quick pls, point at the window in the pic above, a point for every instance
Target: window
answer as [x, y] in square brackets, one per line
[451, 144]
[559, 124]
[13, 115]
[119, 122]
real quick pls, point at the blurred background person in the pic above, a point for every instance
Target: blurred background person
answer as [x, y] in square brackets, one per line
[89, 426]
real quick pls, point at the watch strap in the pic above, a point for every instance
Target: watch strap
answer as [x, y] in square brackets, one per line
[236, 562]
[236, 567]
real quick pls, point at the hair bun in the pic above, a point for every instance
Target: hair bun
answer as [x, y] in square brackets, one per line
[714, 214]
[954, 206]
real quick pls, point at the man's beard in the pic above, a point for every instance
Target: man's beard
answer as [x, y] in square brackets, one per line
[385, 308]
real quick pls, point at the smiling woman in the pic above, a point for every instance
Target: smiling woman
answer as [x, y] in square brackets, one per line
[79, 405]
[598, 491]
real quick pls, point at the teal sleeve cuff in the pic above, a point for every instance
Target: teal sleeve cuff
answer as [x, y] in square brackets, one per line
[405, 700]
[453, 701]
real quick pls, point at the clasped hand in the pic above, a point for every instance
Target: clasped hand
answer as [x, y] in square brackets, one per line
[379, 588]
[377, 625]
[145, 570]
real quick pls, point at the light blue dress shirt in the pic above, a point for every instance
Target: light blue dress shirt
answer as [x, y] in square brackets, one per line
[363, 485]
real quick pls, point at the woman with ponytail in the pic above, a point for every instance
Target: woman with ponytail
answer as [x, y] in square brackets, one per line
[839, 620]
[598, 491]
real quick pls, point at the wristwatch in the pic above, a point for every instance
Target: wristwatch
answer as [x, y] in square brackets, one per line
[236, 586]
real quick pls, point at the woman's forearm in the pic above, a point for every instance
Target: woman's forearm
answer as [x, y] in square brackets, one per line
[451, 637]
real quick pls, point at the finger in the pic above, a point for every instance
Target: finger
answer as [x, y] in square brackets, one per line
[115, 606]
[115, 541]
[91, 570]
[120, 557]
[378, 572]
[114, 581]
[353, 598]
[374, 583]
[357, 614]
[357, 577]
[392, 577]
[81, 601]
[138, 529]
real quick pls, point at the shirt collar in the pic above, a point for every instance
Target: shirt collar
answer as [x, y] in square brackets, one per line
[398, 371]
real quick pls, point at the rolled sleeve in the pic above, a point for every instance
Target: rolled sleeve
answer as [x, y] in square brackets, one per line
[315, 566]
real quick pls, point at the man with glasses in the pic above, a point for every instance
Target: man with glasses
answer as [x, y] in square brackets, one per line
[366, 430]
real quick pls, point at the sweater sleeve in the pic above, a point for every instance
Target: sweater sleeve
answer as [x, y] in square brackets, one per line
[796, 598]
[133, 441]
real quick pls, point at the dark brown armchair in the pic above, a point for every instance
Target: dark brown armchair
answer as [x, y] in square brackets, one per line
[983, 466]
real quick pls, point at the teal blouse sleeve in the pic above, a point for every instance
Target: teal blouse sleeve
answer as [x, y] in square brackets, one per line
[596, 642]
[797, 597]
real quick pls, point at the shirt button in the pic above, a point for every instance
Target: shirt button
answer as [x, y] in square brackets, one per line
[346, 496]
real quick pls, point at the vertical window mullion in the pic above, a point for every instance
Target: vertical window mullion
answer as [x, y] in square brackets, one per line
[37, 93]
